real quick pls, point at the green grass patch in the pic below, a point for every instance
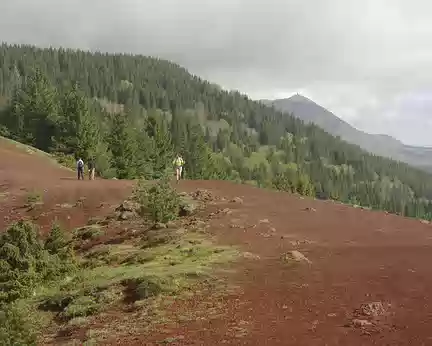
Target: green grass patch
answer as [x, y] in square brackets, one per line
[161, 270]
[4, 196]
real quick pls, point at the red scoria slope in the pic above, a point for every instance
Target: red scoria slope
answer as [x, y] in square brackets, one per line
[356, 257]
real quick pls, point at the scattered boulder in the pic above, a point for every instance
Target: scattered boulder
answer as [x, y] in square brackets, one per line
[249, 255]
[65, 205]
[126, 215]
[128, 210]
[358, 323]
[300, 242]
[188, 206]
[237, 200]
[129, 205]
[265, 235]
[295, 256]
[310, 209]
[202, 195]
[369, 314]
[374, 309]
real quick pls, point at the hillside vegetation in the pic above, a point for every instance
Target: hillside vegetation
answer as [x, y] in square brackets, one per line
[132, 113]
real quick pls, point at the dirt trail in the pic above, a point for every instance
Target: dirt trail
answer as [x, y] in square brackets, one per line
[357, 256]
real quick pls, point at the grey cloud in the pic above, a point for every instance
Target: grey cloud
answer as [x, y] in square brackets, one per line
[362, 59]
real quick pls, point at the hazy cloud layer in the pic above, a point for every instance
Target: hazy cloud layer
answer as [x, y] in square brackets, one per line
[368, 61]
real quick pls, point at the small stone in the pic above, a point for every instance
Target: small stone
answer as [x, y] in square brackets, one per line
[296, 256]
[126, 215]
[373, 309]
[250, 255]
[361, 323]
[160, 225]
[237, 200]
[264, 221]
[128, 205]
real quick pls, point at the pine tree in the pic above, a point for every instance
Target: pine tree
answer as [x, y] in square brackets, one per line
[178, 131]
[78, 131]
[146, 149]
[124, 148]
[197, 156]
[157, 129]
[34, 111]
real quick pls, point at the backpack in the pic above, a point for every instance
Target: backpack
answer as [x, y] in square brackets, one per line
[80, 164]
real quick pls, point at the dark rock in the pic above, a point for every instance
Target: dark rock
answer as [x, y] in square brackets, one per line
[237, 200]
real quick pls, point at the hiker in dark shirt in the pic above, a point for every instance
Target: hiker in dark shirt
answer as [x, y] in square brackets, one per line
[91, 167]
[80, 169]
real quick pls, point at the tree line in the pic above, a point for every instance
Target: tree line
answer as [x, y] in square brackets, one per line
[132, 113]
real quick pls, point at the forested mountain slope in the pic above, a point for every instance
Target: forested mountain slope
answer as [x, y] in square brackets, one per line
[310, 112]
[132, 112]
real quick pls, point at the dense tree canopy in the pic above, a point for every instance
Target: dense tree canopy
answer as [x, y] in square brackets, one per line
[132, 113]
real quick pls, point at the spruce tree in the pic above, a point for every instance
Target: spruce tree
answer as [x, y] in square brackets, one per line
[79, 132]
[34, 111]
[162, 156]
[124, 148]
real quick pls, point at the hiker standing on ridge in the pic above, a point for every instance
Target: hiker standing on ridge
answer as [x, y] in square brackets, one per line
[91, 167]
[178, 163]
[80, 169]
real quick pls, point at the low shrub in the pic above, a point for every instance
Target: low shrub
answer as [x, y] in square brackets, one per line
[25, 262]
[159, 201]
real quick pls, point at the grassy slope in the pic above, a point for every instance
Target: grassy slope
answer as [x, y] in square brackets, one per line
[32, 151]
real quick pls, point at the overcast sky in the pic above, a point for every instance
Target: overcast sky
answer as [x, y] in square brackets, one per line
[368, 61]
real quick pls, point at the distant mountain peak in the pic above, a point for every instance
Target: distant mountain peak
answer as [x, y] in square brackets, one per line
[380, 144]
[299, 98]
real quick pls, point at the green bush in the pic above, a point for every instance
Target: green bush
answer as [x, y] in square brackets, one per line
[57, 241]
[25, 263]
[80, 307]
[65, 160]
[160, 201]
[16, 327]
[152, 286]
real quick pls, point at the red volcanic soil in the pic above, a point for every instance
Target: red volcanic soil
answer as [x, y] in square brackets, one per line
[356, 257]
